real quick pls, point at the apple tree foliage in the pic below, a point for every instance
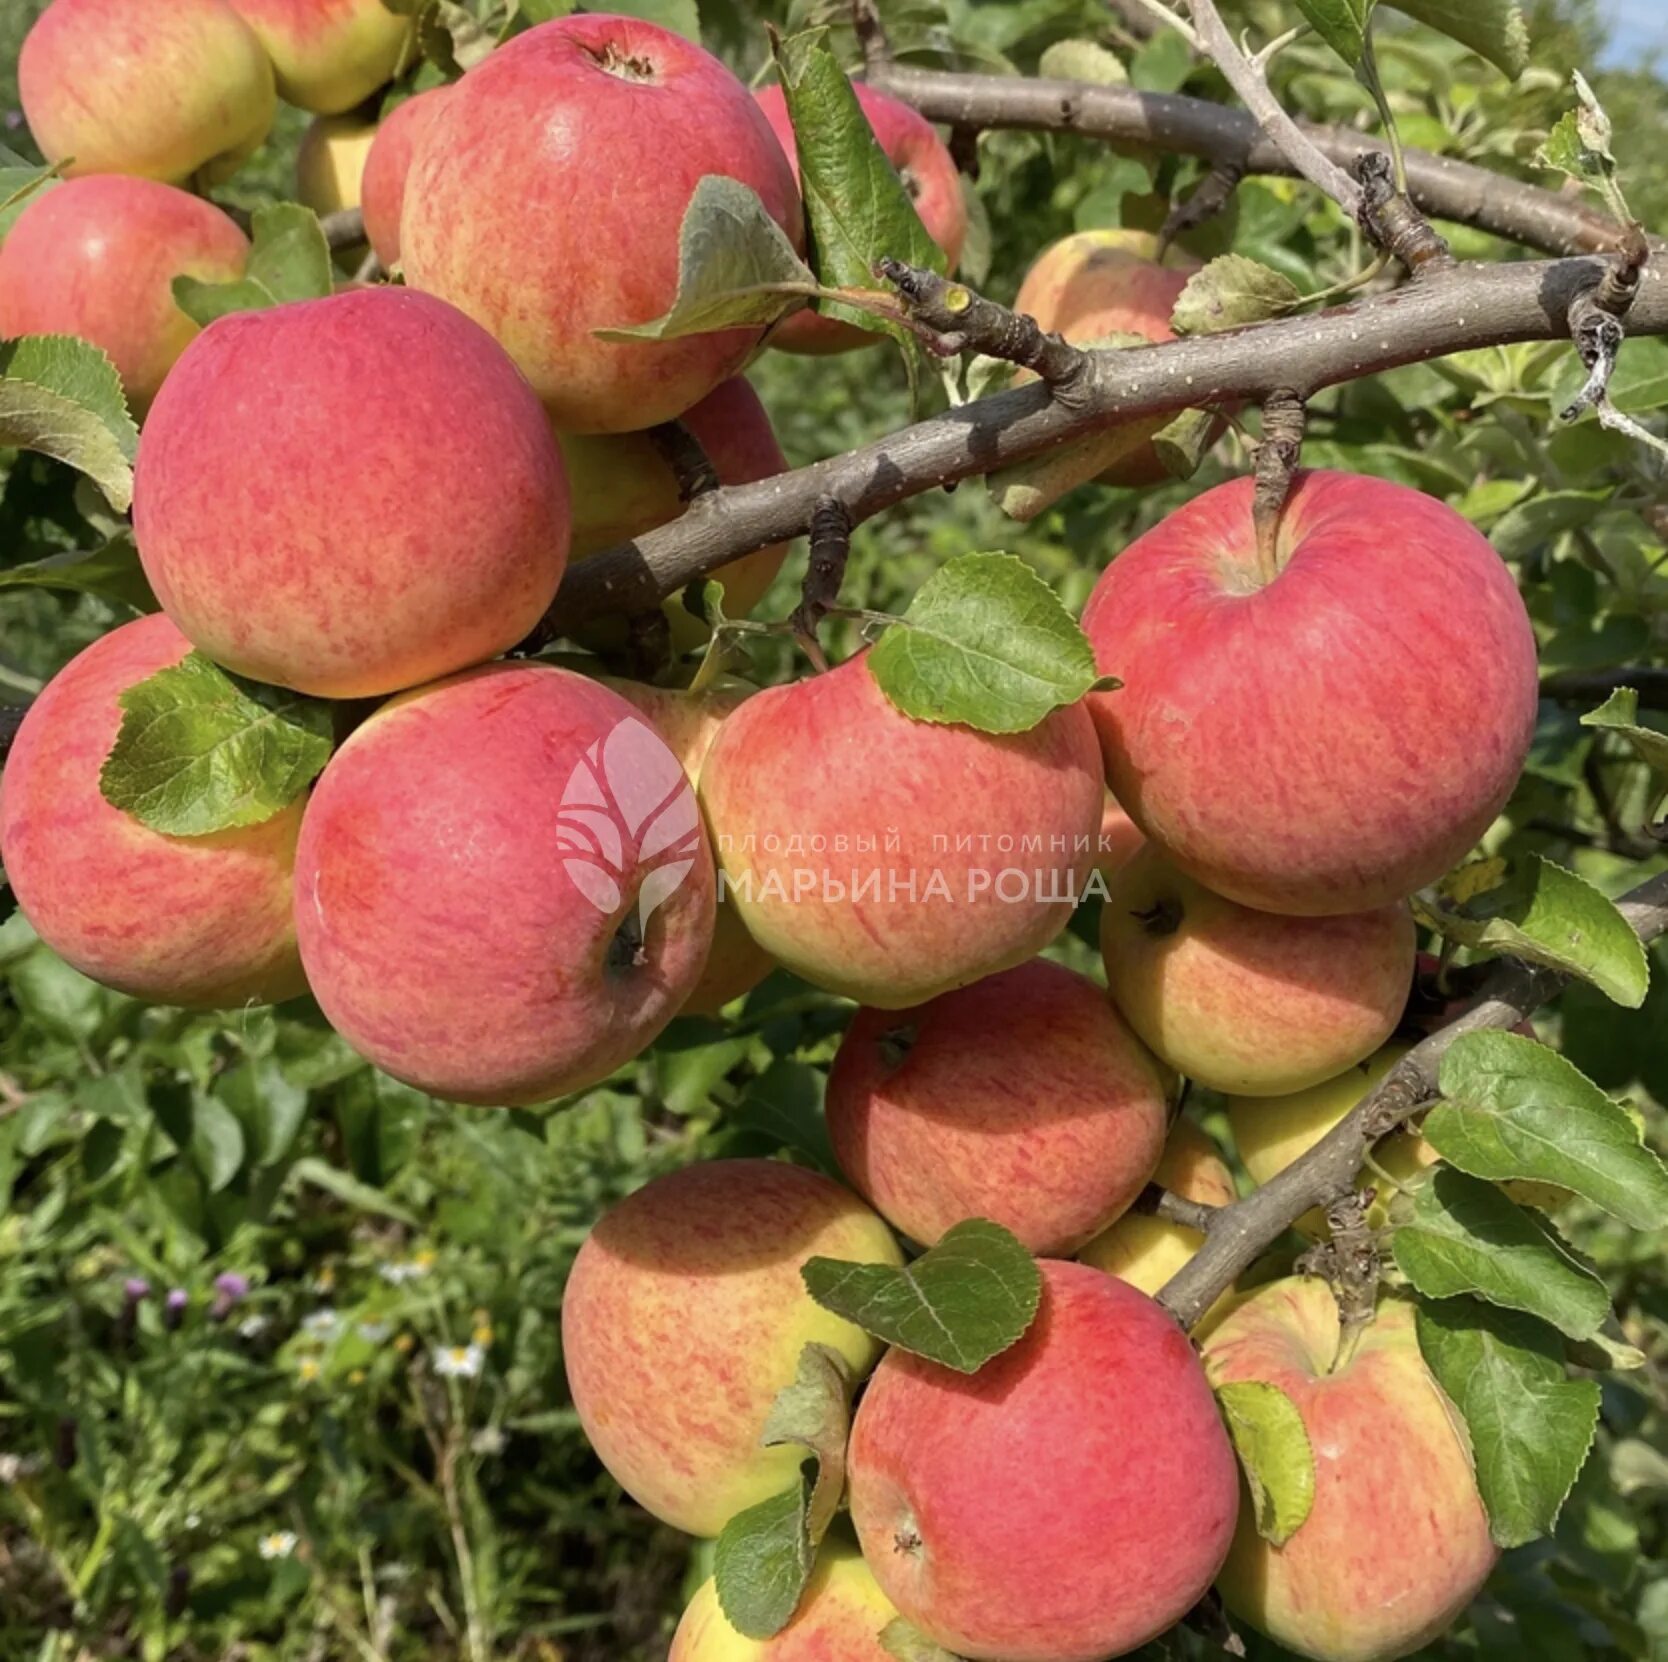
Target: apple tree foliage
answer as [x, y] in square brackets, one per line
[226, 1244]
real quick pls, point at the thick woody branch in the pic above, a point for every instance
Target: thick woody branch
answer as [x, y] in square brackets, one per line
[1438, 185]
[1239, 1233]
[1250, 81]
[1473, 306]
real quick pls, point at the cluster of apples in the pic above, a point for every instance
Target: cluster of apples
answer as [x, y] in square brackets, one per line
[506, 881]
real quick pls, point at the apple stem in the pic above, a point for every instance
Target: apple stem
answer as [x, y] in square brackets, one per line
[824, 574]
[682, 452]
[1278, 455]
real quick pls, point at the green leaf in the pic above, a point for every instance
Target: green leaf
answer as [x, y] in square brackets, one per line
[1274, 1452]
[908, 1644]
[763, 1561]
[63, 397]
[1342, 24]
[289, 260]
[857, 209]
[785, 1104]
[201, 751]
[1083, 60]
[987, 643]
[815, 1412]
[1493, 29]
[1229, 292]
[1548, 915]
[1531, 1426]
[733, 260]
[112, 572]
[362, 1197]
[680, 16]
[1529, 525]
[1579, 146]
[1465, 1236]
[1619, 714]
[1516, 1109]
[960, 1303]
[216, 1142]
[20, 184]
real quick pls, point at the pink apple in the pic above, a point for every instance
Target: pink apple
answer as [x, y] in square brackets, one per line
[200, 921]
[623, 486]
[913, 146]
[1397, 1543]
[1245, 1001]
[1120, 839]
[839, 1619]
[684, 1317]
[387, 166]
[546, 199]
[689, 722]
[503, 891]
[889, 859]
[173, 92]
[314, 456]
[1100, 283]
[97, 256]
[1328, 739]
[330, 54]
[1068, 1502]
[1022, 1098]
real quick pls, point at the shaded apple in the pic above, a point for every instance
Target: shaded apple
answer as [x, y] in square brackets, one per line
[1146, 1251]
[684, 1317]
[912, 145]
[839, 1619]
[1100, 283]
[1397, 1542]
[1248, 1001]
[546, 198]
[330, 162]
[310, 455]
[1071, 1500]
[1330, 738]
[387, 166]
[1022, 1098]
[1120, 839]
[689, 722]
[175, 92]
[623, 485]
[329, 55]
[199, 921]
[991, 836]
[97, 257]
[503, 891]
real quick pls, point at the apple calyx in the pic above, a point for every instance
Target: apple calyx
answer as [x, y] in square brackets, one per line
[614, 60]
[1163, 917]
[895, 1045]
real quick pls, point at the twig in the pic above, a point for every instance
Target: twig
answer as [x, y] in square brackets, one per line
[1250, 81]
[1439, 185]
[1174, 1208]
[1476, 305]
[1214, 192]
[871, 35]
[824, 574]
[1392, 221]
[1327, 1171]
[343, 229]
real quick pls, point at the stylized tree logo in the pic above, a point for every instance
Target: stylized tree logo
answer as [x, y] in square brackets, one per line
[628, 806]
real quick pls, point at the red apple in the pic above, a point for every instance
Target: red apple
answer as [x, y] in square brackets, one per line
[1022, 1098]
[689, 722]
[311, 510]
[382, 186]
[1330, 738]
[623, 486]
[200, 921]
[329, 54]
[684, 1317]
[97, 256]
[839, 1619]
[546, 199]
[1068, 1502]
[914, 148]
[1397, 1542]
[1120, 839]
[1246, 1001]
[1100, 283]
[503, 890]
[173, 92]
[330, 162]
[807, 785]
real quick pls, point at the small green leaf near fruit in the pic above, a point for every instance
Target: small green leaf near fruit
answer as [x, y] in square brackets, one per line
[763, 1561]
[289, 259]
[63, 397]
[1274, 1453]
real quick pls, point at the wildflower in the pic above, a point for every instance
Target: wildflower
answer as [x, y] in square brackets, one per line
[357, 1377]
[229, 1290]
[308, 1369]
[279, 1544]
[325, 1280]
[321, 1324]
[488, 1440]
[173, 1308]
[482, 1335]
[412, 1269]
[252, 1327]
[136, 1289]
[459, 1361]
[403, 1344]
[373, 1333]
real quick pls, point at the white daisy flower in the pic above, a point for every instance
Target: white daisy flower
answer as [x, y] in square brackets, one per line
[279, 1544]
[459, 1362]
[321, 1324]
[373, 1333]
